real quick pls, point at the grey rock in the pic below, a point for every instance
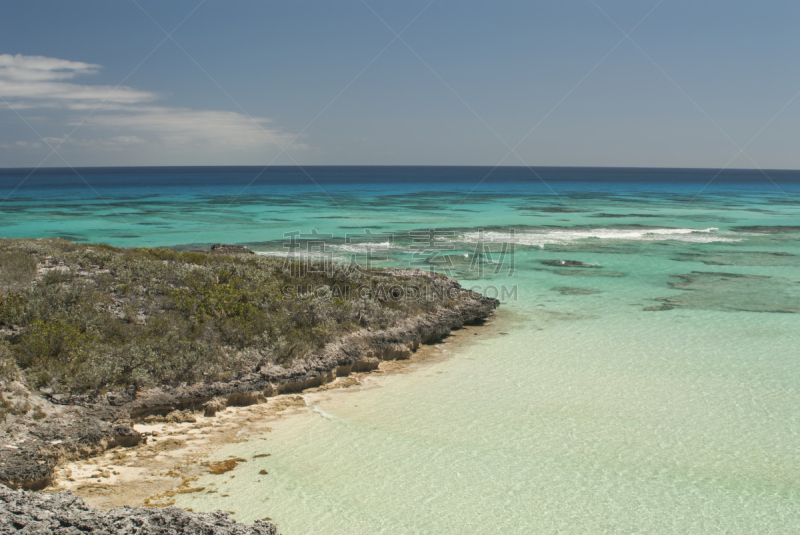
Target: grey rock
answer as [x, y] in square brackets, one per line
[31, 449]
[66, 514]
[221, 248]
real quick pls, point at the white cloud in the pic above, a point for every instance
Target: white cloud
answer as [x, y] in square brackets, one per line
[112, 143]
[124, 116]
[38, 68]
[21, 145]
[39, 79]
[56, 94]
[185, 127]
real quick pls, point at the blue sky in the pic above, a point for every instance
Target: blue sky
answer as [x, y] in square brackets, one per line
[466, 83]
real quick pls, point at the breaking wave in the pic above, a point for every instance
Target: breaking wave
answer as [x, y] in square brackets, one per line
[540, 238]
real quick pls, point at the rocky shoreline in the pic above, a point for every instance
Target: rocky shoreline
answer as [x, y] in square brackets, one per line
[76, 427]
[66, 514]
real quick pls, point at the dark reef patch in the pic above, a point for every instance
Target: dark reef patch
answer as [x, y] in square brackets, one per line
[709, 290]
[606, 215]
[767, 229]
[552, 209]
[569, 290]
[739, 258]
[581, 273]
[568, 264]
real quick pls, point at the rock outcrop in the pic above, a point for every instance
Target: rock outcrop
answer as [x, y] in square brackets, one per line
[221, 248]
[37, 440]
[64, 513]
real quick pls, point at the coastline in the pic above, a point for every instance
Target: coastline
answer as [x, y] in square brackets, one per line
[174, 454]
[50, 421]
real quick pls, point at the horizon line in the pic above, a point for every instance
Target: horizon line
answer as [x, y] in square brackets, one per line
[291, 166]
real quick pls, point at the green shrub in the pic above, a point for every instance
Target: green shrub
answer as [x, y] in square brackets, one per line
[54, 349]
[14, 408]
[16, 268]
[56, 276]
[8, 365]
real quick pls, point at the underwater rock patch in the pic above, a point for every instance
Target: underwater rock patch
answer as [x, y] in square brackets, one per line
[220, 467]
[581, 273]
[569, 290]
[560, 210]
[568, 263]
[767, 229]
[606, 215]
[740, 258]
[732, 292]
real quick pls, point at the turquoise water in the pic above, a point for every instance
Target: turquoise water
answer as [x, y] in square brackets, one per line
[650, 386]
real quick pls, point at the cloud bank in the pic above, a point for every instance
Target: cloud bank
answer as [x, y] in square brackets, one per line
[114, 117]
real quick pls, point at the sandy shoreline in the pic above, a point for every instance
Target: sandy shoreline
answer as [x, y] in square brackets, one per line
[174, 455]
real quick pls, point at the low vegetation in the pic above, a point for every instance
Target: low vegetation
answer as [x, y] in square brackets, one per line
[91, 318]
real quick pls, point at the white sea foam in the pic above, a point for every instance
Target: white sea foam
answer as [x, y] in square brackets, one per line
[543, 237]
[324, 413]
[333, 247]
[361, 247]
[304, 255]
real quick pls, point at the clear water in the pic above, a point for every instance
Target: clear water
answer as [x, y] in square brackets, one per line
[657, 393]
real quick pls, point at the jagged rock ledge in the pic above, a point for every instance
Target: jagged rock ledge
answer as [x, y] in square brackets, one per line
[79, 427]
[66, 514]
